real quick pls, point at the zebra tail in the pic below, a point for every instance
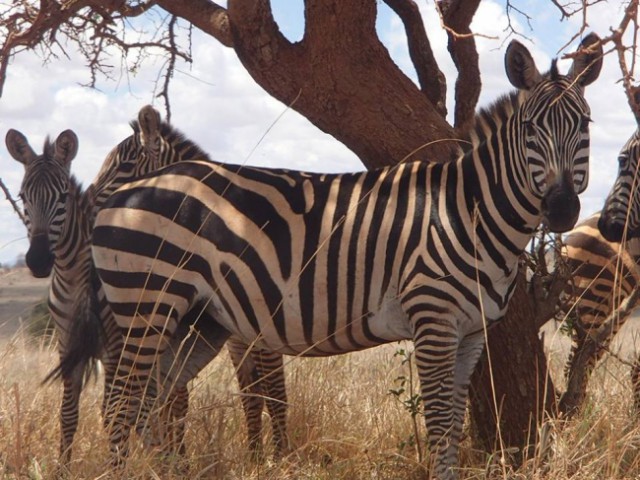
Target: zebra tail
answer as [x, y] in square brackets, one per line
[86, 338]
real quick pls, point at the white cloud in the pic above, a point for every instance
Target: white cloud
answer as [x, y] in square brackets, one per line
[217, 104]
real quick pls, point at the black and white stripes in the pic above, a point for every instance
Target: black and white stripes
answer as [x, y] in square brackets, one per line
[314, 264]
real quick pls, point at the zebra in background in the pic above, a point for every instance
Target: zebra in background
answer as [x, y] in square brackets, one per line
[323, 264]
[603, 274]
[59, 217]
[619, 221]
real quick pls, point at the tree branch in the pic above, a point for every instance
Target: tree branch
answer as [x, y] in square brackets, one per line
[205, 15]
[13, 203]
[457, 16]
[431, 79]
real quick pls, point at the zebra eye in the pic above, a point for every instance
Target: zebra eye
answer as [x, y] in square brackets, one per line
[584, 123]
[529, 128]
[623, 159]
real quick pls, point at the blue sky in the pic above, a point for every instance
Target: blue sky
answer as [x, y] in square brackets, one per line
[217, 104]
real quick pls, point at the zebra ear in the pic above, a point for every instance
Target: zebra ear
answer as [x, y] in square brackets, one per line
[588, 61]
[520, 67]
[66, 148]
[636, 103]
[150, 122]
[18, 147]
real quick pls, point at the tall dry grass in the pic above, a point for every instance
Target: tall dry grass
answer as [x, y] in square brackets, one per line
[343, 424]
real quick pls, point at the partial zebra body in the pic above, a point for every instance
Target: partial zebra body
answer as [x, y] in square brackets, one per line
[313, 302]
[316, 264]
[604, 274]
[619, 221]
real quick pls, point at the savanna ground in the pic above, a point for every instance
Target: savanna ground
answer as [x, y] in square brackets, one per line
[343, 422]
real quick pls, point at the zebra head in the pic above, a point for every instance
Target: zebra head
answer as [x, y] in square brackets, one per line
[44, 192]
[620, 216]
[552, 129]
[153, 145]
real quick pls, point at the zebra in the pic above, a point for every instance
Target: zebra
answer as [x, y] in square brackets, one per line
[619, 219]
[59, 217]
[602, 275]
[321, 264]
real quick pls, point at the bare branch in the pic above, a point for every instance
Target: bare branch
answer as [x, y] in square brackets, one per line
[456, 16]
[13, 203]
[209, 17]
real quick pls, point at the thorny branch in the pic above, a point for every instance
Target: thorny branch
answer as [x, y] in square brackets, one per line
[545, 285]
[100, 30]
[13, 203]
[621, 44]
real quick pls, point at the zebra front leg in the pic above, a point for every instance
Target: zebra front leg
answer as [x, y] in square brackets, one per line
[469, 351]
[436, 345]
[580, 365]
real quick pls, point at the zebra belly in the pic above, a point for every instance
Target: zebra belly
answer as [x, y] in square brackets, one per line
[388, 324]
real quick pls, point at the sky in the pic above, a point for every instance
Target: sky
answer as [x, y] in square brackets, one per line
[215, 102]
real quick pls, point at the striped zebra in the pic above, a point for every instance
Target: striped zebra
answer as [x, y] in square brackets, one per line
[603, 274]
[59, 217]
[619, 220]
[323, 264]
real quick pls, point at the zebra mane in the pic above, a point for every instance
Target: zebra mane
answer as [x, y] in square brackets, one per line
[176, 137]
[492, 117]
[503, 108]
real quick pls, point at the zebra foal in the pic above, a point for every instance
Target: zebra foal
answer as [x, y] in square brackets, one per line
[317, 264]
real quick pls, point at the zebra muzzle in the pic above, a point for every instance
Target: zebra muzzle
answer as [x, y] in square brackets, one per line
[612, 226]
[560, 207]
[39, 258]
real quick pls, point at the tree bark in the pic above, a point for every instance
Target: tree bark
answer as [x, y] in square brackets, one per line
[516, 381]
[342, 79]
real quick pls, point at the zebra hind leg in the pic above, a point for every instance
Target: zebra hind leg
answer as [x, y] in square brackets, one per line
[69, 412]
[251, 393]
[271, 372]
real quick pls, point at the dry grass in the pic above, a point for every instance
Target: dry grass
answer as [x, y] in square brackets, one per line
[343, 424]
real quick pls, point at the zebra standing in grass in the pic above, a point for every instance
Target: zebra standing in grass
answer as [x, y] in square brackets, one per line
[619, 221]
[315, 264]
[603, 274]
[59, 217]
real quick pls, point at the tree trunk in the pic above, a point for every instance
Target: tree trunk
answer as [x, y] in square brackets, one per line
[516, 381]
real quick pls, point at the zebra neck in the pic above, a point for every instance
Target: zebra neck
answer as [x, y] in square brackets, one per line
[500, 205]
[76, 229]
